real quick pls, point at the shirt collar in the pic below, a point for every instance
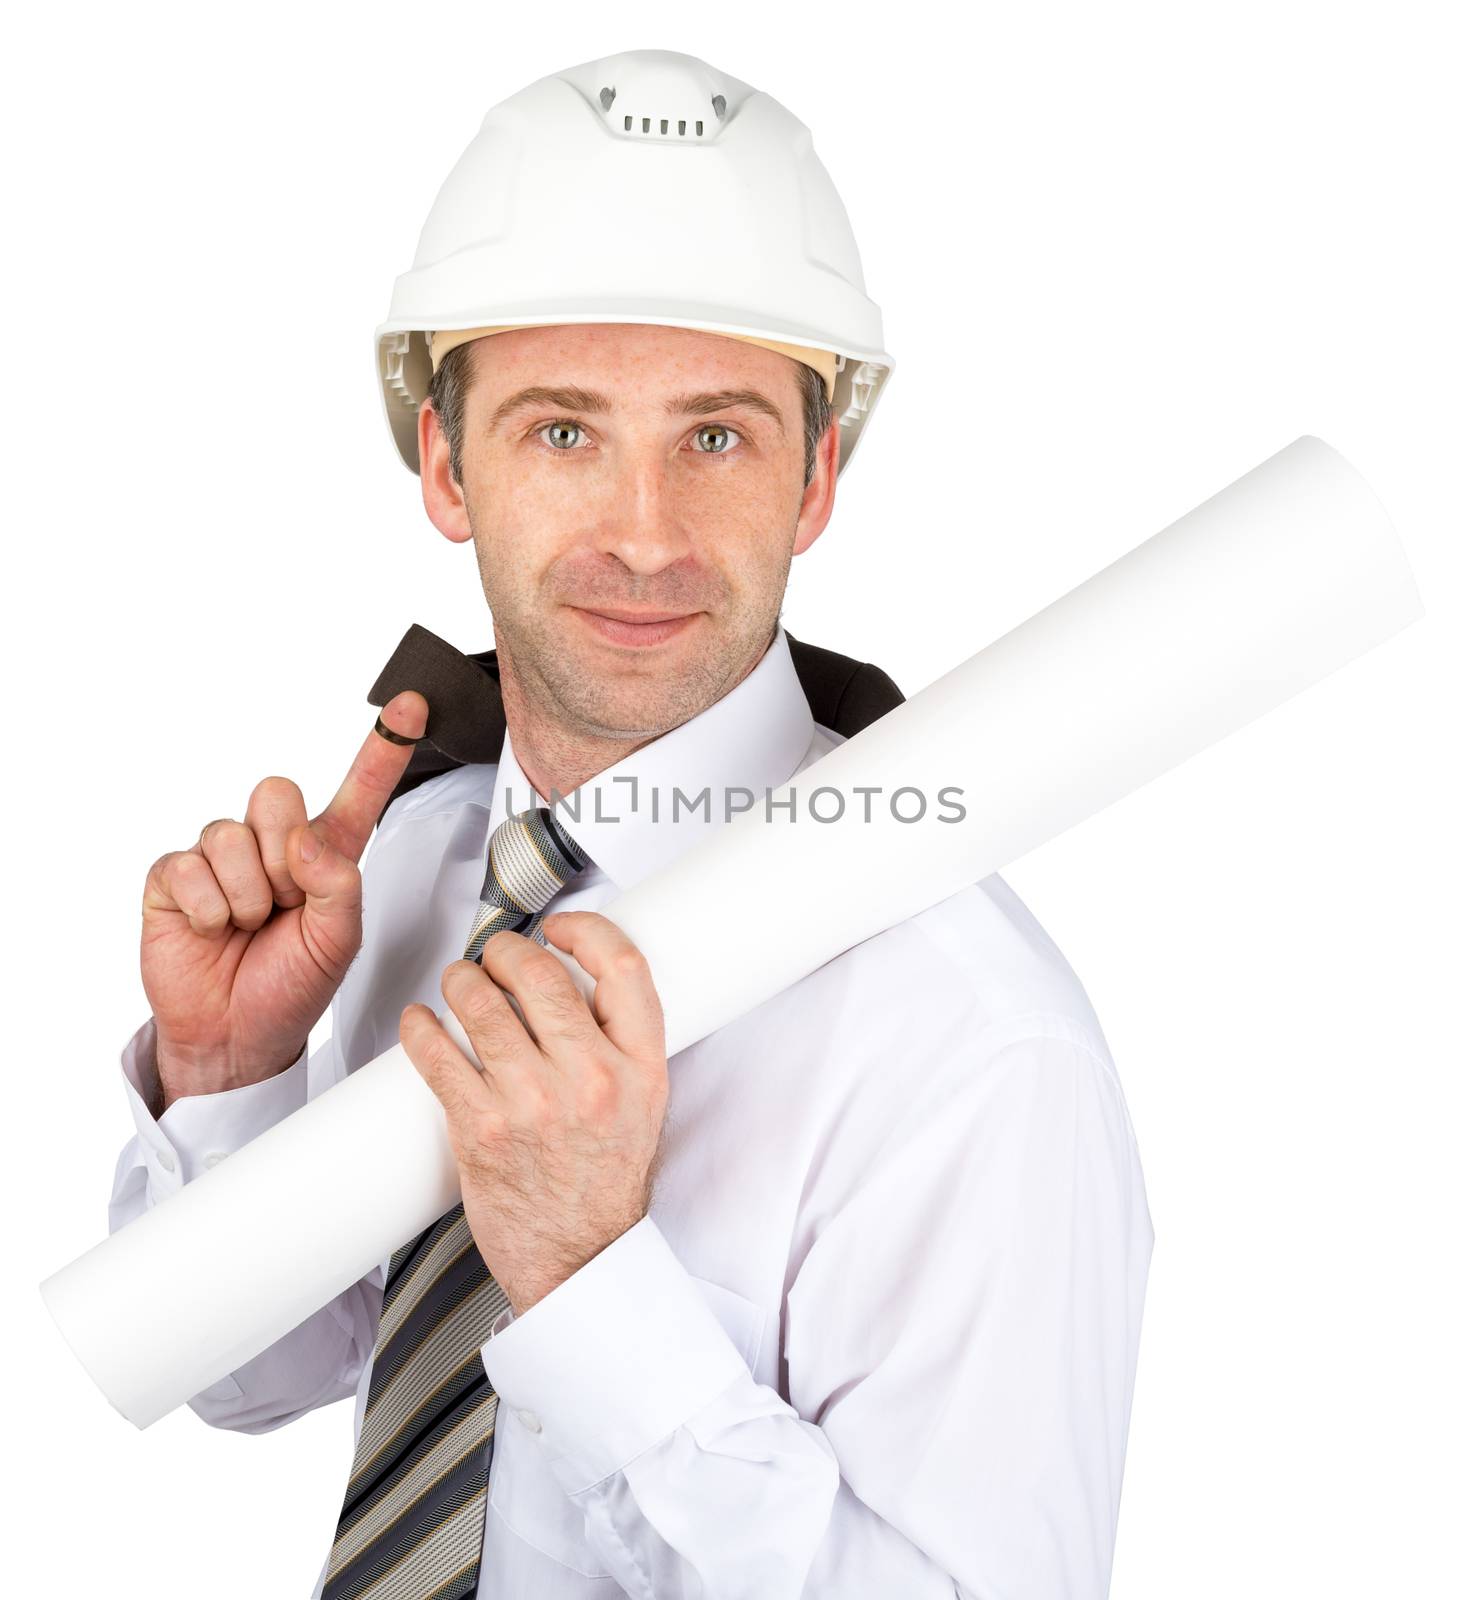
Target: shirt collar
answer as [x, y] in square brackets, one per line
[627, 818]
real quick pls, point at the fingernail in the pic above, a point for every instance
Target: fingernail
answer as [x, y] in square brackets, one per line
[310, 844]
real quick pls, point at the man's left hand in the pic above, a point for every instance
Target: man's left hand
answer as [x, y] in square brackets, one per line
[556, 1139]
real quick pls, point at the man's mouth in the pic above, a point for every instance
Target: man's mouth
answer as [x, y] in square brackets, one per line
[617, 625]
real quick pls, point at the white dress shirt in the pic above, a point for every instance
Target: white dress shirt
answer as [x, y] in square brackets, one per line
[878, 1332]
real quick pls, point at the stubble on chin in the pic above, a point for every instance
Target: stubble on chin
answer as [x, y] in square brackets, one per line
[563, 686]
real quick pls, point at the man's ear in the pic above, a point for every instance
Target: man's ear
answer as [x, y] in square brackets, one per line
[442, 494]
[818, 497]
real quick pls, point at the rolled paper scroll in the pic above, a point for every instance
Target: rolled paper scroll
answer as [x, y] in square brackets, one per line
[1281, 578]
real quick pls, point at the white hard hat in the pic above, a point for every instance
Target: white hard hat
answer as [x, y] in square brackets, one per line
[646, 187]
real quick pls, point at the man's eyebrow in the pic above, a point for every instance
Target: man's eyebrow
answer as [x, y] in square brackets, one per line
[574, 398]
[567, 399]
[701, 405]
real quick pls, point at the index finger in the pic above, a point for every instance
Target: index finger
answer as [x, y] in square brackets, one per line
[346, 823]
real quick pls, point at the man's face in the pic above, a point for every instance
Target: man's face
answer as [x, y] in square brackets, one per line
[614, 474]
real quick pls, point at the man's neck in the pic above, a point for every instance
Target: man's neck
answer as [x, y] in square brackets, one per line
[556, 759]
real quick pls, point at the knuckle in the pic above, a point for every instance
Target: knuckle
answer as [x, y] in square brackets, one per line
[252, 911]
[556, 997]
[540, 968]
[578, 1032]
[534, 1107]
[491, 1128]
[223, 832]
[159, 871]
[628, 961]
[276, 789]
[494, 1040]
[483, 1011]
[597, 1095]
[182, 865]
[484, 1015]
[191, 871]
[437, 1052]
[450, 1097]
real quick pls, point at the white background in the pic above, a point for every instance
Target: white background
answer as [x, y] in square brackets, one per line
[1125, 253]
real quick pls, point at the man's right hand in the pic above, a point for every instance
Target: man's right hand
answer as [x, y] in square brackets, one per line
[244, 940]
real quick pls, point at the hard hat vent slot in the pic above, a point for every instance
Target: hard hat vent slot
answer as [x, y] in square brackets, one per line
[628, 124]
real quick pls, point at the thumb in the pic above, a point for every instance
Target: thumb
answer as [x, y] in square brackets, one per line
[332, 885]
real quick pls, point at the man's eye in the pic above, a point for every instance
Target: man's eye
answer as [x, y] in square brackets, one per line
[558, 435]
[717, 436]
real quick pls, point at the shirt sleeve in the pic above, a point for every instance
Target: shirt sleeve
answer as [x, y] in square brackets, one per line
[317, 1362]
[960, 1340]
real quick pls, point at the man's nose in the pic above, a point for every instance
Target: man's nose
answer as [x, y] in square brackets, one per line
[640, 523]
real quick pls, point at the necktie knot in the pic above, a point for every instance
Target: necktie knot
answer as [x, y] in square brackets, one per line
[530, 859]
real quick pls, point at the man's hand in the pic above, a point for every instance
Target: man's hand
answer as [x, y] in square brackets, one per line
[246, 936]
[556, 1139]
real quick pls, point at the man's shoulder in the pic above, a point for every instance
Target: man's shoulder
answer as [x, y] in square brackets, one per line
[979, 955]
[979, 965]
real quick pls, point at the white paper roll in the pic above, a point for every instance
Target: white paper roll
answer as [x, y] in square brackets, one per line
[1281, 578]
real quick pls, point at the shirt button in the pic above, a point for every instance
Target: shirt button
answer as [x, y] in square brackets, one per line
[165, 1160]
[531, 1422]
[213, 1158]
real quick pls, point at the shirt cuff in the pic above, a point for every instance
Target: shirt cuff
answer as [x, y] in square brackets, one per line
[197, 1131]
[612, 1360]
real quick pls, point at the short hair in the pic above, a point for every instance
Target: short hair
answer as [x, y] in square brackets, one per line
[448, 393]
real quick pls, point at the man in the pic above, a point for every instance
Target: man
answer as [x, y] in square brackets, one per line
[844, 1299]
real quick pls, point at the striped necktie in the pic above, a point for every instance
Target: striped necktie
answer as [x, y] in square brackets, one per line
[411, 1524]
